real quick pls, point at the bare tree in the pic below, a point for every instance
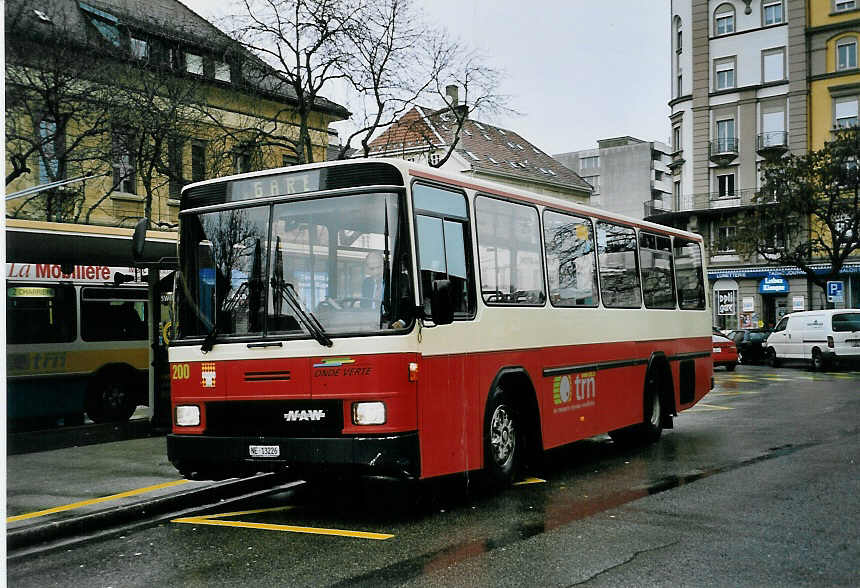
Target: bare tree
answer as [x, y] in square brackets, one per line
[56, 121]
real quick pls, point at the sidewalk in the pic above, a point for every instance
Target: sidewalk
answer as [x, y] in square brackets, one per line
[60, 493]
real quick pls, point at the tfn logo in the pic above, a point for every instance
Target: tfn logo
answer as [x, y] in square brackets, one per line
[304, 415]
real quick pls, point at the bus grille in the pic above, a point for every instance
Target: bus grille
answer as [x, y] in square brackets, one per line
[282, 418]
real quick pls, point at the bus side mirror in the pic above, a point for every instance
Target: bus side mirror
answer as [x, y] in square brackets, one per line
[442, 310]
[138, 241]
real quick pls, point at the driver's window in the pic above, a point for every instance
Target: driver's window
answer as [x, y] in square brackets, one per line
[444, 250]
[781, 325]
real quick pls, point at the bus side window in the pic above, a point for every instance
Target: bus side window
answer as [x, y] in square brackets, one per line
[571, 263]
[442, 231]
[509, 247]
[655, 255]
[689, 280]
[619, 274]
[40, 314]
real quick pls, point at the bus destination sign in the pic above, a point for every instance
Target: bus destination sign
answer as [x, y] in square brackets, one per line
[268, 186]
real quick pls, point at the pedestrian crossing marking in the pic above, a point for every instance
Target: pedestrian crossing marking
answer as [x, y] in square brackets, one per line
[218, 521]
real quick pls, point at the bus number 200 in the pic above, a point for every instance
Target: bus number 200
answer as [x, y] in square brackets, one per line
[180, 371]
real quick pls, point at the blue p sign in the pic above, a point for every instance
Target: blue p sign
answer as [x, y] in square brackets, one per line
[835, 292]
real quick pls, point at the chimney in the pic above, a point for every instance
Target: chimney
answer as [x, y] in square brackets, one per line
[451, 92]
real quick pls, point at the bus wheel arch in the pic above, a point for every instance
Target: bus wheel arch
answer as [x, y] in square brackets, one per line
[511, 408]
[112, 393]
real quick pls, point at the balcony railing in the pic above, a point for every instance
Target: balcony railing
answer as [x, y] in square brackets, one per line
[656, 207]
[723, 151]
[772, 145]
[701, 202]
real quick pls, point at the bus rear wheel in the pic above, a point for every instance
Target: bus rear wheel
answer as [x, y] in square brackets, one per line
[111, 397]
[503, 440]
[651, 427]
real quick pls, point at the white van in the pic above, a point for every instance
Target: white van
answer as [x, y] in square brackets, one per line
[820, 336]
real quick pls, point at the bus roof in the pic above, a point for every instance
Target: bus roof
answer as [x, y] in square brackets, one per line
[417, 170]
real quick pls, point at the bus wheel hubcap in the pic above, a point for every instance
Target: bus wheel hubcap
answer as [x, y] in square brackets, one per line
[502, 435]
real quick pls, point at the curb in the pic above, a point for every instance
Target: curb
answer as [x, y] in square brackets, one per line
[30, 535]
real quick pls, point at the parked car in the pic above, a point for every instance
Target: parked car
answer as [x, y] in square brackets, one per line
[821, 337]
[751, 344]
[724, 352]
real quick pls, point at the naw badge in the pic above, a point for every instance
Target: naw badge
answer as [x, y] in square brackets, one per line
[207, 374]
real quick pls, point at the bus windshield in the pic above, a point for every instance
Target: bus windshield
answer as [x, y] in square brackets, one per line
[346, 258]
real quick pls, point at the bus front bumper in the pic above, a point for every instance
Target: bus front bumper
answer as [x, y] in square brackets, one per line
[395, 455]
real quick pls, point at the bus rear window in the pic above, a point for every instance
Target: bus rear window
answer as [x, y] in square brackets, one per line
[689, 279]
[850, 321]
[40, 314]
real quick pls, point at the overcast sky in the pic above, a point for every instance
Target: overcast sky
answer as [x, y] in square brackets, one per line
[577, 70]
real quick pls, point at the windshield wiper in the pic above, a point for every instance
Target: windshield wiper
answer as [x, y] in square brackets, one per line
[310, 322]
[230, 305]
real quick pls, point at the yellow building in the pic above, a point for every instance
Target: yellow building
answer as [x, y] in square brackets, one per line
[142, 98]
[833, 35]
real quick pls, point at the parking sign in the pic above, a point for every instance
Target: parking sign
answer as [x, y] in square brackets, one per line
[835, 292]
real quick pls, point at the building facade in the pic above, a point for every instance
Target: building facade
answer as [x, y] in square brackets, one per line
[628, 175]
[141, 99]
[745, 77]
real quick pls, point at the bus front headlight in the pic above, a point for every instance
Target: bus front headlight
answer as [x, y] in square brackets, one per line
[188, 415]
[368, 413]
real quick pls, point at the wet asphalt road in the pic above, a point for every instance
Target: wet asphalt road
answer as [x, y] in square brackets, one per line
[758, 485]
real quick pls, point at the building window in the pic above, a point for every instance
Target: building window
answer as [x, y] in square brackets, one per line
[434, 158]
[676, 194]
[198, 161]
[175, 167]
[845, 112]
[726, 185]
[594, 181]
[51, 139]
[773, 65]
[222, 71]
[725, 239]
[679, 85]
[724, 20]
[123, 163]
[589, 162]
[772, 125]
[843, 5]
[676, 138]
[194, 64]
[772, 13]
[679, 45]
[724, 73]
[846, 53]
[139, 49]
[726, 135]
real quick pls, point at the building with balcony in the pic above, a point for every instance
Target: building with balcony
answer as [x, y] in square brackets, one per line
[753, 80]
[629, 176]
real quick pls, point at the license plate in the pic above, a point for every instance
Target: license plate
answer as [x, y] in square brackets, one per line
[264, 450]
[717, 349]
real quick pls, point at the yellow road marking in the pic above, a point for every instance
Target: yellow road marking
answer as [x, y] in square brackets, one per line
[708, 407]
[738, 381]
[218, 522]
[738, 393]
[47, 511]
[777, 379]
[529, 481]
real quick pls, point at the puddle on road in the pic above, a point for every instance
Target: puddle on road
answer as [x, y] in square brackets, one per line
[564, 509]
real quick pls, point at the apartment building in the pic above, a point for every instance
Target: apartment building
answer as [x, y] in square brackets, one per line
[743, 94]
[629, 176]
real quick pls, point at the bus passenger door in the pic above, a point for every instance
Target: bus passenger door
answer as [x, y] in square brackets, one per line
[447, 411]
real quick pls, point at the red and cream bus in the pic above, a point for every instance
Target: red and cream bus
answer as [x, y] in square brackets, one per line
[389, 319]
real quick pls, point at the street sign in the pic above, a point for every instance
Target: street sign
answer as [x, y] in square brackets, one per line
[835, 292]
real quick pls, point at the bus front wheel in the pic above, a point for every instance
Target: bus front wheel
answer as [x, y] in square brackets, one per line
[503, 440]
[111, 397]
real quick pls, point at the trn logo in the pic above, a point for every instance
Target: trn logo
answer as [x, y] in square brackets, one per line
[576, 392]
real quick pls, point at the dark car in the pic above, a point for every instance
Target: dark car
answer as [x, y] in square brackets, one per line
[751, 344]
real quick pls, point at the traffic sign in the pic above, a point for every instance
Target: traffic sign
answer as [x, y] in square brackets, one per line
[835, 292]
